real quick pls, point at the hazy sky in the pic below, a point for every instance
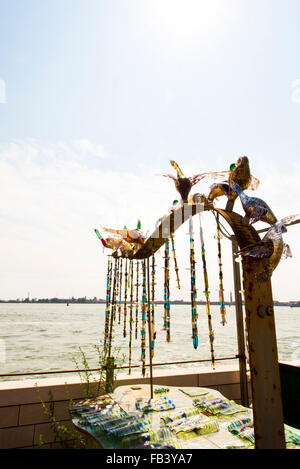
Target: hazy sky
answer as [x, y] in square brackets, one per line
[96, 96]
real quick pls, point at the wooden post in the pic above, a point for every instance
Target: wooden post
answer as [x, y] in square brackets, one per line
[263, 357]
[240, 326]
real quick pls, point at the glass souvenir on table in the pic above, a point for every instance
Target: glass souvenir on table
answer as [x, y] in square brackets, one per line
[162, 438]
[218, 406]
[243, 428]
[157, 404]
[193, 426]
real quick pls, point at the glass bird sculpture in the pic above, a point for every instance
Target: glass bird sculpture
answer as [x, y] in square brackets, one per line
[271, 248]
[184, 184]
[239, 173]
[116, 243]
[255, 209]
[131, 236]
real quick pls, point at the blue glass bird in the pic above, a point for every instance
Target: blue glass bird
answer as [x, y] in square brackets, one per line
[255, 209]
[271, 248]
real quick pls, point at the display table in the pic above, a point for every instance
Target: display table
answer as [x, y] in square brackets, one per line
[186, 399]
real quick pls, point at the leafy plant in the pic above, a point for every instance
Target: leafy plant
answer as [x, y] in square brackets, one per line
[92, 385]
[67, 438]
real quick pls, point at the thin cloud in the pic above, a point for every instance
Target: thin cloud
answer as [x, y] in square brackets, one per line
[51, 200]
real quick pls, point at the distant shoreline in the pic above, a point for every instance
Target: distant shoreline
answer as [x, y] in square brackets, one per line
[158, 302]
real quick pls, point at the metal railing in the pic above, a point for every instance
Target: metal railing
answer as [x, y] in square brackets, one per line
[35, 373]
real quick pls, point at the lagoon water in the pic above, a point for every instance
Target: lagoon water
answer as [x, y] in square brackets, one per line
[46, 337]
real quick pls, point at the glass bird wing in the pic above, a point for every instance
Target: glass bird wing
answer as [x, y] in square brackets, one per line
[218, 175]
[290, 219]
[257, 214]
[177, 169]
[195, 179]
[169, 176]
[254, 183]
[260, 250]
[286, 252]
[121, 233]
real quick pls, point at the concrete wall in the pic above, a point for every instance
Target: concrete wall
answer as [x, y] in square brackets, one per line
[22, 419]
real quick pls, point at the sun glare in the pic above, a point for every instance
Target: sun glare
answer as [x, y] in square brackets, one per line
[176, 26]
[186, 18]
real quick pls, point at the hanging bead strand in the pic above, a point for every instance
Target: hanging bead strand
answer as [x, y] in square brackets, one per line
[108, 296]
[153, 333]
[175, 262]
[144, 317]
[193, 286]
[221, 288]
[120, 290]
[116, 288]
[131, 314]
[207, 293]
[167, 293]
[125, 299]
[137, 300]
[112, 315]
